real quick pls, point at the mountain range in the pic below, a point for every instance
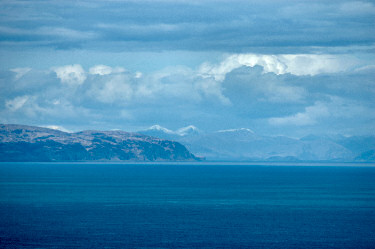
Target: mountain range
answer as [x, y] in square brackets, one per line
[31, 143]
[245, 145]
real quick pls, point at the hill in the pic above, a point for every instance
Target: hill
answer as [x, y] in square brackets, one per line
[31, 143]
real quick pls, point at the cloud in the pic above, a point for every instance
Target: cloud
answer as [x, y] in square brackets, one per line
[70, 74]
[358, 8]
[138, 74]
[116, 89]
[280, 92]
[335, 108]
[250, 84]
[247, 96]
[348, 108]
[20, 71]
[59, 32]
[226, 26]
[365, 68]
[298, 64]
[313, 64]
[100, 70]
[309, 117]
[105, 70]
[65, 33]
[16, 103]
[211, 88]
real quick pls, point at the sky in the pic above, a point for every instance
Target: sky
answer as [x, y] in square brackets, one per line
[289, 68]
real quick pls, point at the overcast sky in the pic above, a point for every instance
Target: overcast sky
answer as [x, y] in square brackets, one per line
[277, 67]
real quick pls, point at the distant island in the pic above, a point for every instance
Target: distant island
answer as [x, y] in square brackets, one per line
[21, 143]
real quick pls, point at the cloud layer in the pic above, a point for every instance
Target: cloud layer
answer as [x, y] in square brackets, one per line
[277, 67]
[266, 93]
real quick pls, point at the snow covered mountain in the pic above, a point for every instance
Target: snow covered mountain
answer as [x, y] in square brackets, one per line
[162, 132]
[158, 128]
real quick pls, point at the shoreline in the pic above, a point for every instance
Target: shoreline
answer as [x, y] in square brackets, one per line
[210, 163]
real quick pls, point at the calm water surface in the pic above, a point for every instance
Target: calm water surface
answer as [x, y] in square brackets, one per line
[185, 206]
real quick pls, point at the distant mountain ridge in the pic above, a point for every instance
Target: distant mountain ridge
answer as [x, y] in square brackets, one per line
[243, 144]
[157, 129]
[162, 132]
[31, 143]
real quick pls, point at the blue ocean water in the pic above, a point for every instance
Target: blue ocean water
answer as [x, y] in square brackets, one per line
[70, 205]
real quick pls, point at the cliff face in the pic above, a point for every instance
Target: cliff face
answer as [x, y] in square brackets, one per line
[30, 143]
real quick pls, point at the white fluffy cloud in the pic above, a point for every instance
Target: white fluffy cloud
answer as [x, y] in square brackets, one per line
[71, 74]
[273, 89]
[16, 103]
[207, 81]
[299, 64]
[117, 89]
[312, 64]
[105, 70]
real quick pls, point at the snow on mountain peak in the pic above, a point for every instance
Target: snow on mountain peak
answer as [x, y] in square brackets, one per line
[160, 128]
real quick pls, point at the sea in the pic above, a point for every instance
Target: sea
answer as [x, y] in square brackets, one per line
[187, 205]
